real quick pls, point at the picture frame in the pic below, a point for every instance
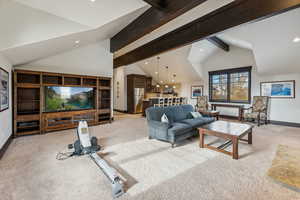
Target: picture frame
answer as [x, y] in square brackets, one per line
[196, 91]
[278, 89]
[4, 90]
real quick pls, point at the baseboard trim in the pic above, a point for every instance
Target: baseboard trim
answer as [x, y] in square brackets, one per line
[121, 111]
[5, 146]
[281, 123]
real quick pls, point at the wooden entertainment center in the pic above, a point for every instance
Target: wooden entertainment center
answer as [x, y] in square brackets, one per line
[29, 99]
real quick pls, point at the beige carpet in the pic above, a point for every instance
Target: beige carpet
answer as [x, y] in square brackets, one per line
[154, 171]
[286, 167]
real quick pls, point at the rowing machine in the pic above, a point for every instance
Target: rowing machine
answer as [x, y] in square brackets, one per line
[89, 146]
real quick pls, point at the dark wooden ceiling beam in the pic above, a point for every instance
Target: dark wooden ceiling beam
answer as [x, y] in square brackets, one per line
[150, 20]
[219, 43]
[158, 4]
[234, 14]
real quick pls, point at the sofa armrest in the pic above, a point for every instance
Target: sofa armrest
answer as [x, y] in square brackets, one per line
[159, 125]
[158, 130]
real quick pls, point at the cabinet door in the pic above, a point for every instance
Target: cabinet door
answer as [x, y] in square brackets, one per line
[148, 84]
[139, 82]
[130, 95]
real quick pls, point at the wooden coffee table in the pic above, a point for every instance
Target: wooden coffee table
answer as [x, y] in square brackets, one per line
[231, 131]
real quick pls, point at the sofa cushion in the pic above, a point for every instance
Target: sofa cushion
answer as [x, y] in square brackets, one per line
[196, 123]
[180, 113]
[174, 113]
[179, 129]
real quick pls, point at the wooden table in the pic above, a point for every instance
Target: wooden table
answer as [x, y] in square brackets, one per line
[239, 107]
[211, 113]
[231, 131]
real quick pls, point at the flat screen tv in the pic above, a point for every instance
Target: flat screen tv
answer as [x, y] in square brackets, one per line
[68, 98]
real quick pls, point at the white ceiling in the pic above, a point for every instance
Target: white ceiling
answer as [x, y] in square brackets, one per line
[176, 61]
[22, 25]
[199, 53]
[86, 12]
[270, 40]
[30, 34]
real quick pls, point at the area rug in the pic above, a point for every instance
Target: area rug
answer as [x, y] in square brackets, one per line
[146, 163]
[286, 167]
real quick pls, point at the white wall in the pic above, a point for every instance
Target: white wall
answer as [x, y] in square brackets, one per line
[6, 116]
[120, 75]
[94, 59]
[186, 91]
[287, 110]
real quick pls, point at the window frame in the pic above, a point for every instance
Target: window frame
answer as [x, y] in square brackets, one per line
[228, 72]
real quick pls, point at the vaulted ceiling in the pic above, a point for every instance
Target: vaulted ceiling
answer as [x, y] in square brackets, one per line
[86, 12]
[270, 41]
[34, 29]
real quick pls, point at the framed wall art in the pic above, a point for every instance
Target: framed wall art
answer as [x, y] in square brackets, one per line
[4, 90]
[278, 89]
[197, 91]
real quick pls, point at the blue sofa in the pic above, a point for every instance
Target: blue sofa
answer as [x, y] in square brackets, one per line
[181, 123]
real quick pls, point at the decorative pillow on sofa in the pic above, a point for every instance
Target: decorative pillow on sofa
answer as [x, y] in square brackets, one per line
[164, 119]
[196, 115]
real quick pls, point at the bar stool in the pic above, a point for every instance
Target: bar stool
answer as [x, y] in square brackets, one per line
[170, 101]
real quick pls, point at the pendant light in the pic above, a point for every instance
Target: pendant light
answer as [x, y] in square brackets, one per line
[167, 68]
[173, 80]
[157, 72]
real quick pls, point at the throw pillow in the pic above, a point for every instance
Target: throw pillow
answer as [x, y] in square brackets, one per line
[164, 119]
[196, 115]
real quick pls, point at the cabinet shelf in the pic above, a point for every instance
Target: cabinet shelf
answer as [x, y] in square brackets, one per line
[51, 80]
[28, 78]
[29, 102]
[27, 132]
[104, 88]
[72, 81]
[28, 127]
[89, 82]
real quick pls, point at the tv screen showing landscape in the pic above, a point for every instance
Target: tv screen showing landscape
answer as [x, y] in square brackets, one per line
[68, 98]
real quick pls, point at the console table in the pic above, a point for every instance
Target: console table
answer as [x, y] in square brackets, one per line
[239, 107]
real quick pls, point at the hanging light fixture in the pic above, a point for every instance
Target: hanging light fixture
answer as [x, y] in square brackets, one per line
[157, 71]
[173, 80]
[167, 68]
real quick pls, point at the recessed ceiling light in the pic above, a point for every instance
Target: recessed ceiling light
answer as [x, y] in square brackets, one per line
[296, 39]
[146, 63]
[77, 41]
[93, 0]
[156, 72]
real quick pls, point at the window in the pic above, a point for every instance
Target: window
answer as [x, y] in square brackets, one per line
[231, 86]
